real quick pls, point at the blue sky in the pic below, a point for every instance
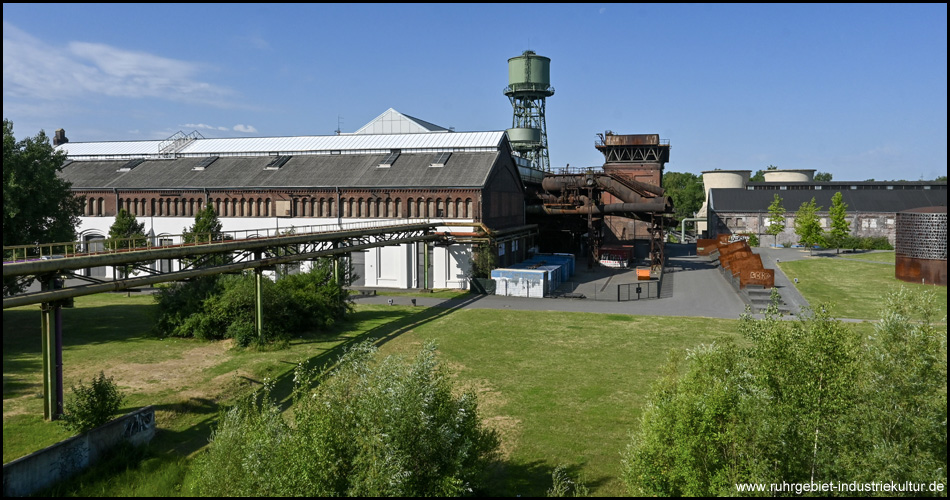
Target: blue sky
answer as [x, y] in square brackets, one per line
[859, 91]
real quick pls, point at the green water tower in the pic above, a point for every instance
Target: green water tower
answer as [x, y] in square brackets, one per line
[529, 84]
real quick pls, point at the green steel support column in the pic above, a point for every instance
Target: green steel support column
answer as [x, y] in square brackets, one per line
[336, 264]
[52, 352]
[259, 304]
[46, 336]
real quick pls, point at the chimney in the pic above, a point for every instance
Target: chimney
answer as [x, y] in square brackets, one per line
[60, 137]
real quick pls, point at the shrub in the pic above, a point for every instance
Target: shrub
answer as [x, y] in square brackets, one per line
[876, 243]
[225, 306]
[179, 301]
[867, 243]
[92, 405]
[562, 485]
[807, 401]
[753, 239]
[372, 428]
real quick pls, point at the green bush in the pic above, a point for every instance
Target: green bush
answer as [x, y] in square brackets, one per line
[867, 243]
[372, 428]
[805, 402]
[180, 301]
[562, 485]
[753, 239]
[225, 306]
[93, 405]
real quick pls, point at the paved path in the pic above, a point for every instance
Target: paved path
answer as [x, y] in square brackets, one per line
[694, 286]
[770, 259]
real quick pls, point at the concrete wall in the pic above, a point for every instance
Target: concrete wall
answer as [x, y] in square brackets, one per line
[718, 179]
[864, 224]
[42, 469]
[801, 175]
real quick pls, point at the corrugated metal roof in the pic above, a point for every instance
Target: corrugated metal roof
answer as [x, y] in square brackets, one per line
[464, 170]
[253, 146]
[113, 148]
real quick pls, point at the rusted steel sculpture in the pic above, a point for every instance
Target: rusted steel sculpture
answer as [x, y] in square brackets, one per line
[737, 258]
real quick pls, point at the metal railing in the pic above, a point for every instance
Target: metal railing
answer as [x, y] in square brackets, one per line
[23, 253]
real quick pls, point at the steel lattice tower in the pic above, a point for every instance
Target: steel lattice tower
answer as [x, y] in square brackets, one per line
[529, 84]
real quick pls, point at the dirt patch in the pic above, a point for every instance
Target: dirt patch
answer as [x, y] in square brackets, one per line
[490, 402]
[172, 374]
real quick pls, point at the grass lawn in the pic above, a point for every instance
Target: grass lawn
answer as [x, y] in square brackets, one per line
[854, 287]
[444, 293]
[561, 388]
[883, 256]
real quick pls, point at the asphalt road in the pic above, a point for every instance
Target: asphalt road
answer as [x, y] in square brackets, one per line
[691, 287]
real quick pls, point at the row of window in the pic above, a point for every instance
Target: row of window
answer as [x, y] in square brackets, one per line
[394, 208]
[866, 223]
[301, 207]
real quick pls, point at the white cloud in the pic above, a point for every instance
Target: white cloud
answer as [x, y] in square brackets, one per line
[36, 70]
[203, 126]
[258, 42]
[248, 129]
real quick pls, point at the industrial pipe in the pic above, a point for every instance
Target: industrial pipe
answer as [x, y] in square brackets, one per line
[653, 206]
[683, 226]
[606, 182]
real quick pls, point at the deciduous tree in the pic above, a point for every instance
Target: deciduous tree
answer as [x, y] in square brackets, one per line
[38, 206]
[840, 227]
[206, 229]
[776, 219]
[809, 401]
[686, 191]
[126, 233]
[807, 225]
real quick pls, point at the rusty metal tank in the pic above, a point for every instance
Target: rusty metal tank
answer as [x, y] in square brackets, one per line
[921, 246]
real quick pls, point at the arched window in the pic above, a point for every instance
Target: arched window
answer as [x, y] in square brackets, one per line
[469, 209]
[266, 207]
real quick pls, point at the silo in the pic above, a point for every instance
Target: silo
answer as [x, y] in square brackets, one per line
[720, 179]
[921, 246]
[529, 84]
[791, 175]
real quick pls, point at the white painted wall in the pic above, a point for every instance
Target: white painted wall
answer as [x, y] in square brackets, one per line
[386, 267]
